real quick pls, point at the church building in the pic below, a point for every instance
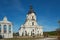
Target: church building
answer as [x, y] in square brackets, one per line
[6, 28]
[30, 26]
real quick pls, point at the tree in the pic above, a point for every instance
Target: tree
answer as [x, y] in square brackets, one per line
[58, 31]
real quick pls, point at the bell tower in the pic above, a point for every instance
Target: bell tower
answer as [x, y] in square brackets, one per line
[31, 16]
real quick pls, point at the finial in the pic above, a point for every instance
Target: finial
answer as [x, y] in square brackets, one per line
[31, 10]
[31, 7]
[5, 18]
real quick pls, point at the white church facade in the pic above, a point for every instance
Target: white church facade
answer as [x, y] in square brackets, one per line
[30, 27]
[6, 28]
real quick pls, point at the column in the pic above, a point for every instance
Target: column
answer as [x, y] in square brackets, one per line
[2, 30]
[7, 28]
[11, 29]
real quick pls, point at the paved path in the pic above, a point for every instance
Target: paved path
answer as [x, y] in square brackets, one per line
[48, 39]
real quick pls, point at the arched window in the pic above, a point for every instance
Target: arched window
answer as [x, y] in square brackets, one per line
[25, 33]
[9, 28]
[32, 23]
[32, 33]
[5, 29]
[32, 17]
[0, 28]
[33, 30]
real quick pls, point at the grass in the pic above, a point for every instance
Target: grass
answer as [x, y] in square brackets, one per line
[24, 38]
[20, 39]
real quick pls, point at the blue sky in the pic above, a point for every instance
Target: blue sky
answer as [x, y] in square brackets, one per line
[47, 12]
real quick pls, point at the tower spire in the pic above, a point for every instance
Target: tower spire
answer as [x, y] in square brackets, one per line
[31, 10]
[31, 7]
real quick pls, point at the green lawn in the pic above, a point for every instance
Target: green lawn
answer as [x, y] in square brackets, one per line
[22, 38]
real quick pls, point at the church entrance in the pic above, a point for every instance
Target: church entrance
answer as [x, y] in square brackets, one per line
[25, 33]
[32, 33]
